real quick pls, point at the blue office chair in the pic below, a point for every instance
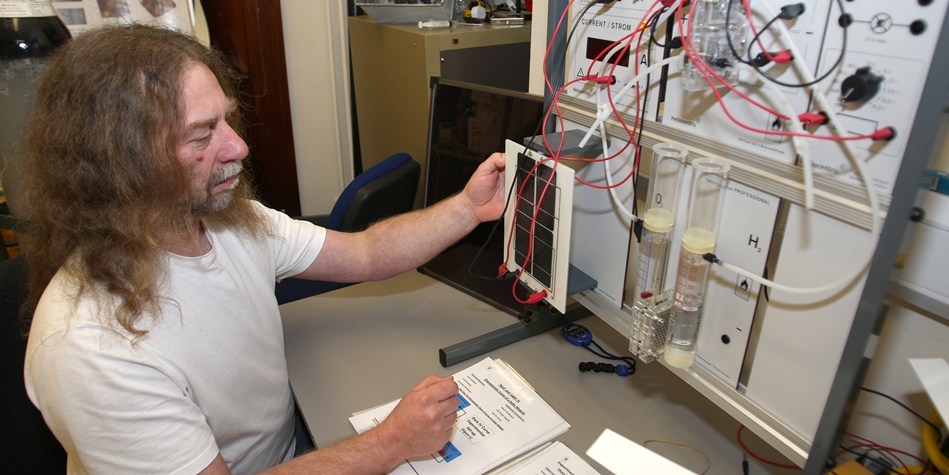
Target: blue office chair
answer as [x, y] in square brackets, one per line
[23, 433]
[384, 189]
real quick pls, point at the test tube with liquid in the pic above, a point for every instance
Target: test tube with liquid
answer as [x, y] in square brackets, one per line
[709, 183]
[668, 164]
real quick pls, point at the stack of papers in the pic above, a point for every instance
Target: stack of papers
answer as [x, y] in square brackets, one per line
[499, 418]
[554, 457]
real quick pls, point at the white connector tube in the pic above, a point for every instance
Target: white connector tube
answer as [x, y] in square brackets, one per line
[858, 164]
[604, 113]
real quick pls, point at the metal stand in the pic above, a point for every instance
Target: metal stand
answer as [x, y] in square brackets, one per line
[535, 319]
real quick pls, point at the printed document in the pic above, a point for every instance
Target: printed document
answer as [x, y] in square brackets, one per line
[552, 458]
[499, 417]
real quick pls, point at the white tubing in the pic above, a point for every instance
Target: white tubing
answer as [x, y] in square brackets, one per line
[604, 113]
[617, 203]
[858, 164]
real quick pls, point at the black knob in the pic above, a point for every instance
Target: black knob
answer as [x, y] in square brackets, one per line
[862, 85]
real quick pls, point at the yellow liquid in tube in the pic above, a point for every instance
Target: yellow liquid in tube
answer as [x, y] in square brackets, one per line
[689, 297]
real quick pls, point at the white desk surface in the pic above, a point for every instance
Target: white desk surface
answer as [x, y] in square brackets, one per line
[368, 344]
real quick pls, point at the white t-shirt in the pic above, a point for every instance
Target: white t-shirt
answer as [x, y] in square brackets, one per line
[210, 376]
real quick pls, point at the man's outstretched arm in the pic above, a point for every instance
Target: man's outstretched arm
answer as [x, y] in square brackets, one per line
[409, 240]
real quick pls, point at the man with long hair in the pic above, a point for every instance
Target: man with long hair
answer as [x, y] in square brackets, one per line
[156, 344]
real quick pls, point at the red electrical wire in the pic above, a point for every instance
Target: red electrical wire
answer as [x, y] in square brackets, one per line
[631, 134]
[554, 156]
[887, 449]
[535, 297]
[878, 448]
[758, 457]
[627, 39]
[647, 17]
[751, 24]
[703, 68]
[706, 70]
[550, 45]
[605, 81]
[531, 234]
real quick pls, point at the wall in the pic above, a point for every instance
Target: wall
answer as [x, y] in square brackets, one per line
[318, 76]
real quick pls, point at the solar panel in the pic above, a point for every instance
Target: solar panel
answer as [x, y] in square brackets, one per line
[541, 233]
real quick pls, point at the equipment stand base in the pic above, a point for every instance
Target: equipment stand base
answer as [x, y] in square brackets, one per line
[535, 319]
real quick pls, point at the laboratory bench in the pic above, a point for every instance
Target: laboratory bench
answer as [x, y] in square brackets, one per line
[367, 344]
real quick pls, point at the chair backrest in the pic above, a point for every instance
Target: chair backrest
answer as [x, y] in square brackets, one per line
[23, 434]
[385, 189]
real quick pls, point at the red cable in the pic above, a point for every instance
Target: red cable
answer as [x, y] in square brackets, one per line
[751, 24]
[882, 134]
[758, 457]
[699, 61]
[640, 31]
[555, 156]
[879, 448]
[619, 118]
[536, 297]
[701, 66]
[887, 449]
[811, 119]
[550, 45]
[627, 39]
[518, 197]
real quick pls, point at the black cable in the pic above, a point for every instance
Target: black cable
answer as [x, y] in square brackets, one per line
[904, 406]
[883, 455]
[765, 288]
[653, 23]
[631, 363]
[558, 81]
[728, 36]
[863, 454]
[840, 57]
[642, 115]
[487, 240]
[639, 139]
[607, 355]
[756, 38]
